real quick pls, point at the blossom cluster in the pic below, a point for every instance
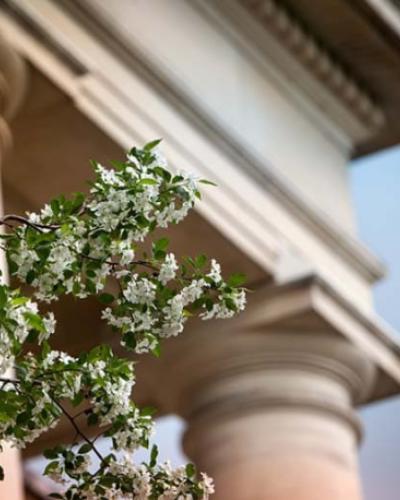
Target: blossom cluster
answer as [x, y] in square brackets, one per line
[153, 306]
[99, 381]
[94, 246]
[123, 479]
[20, 321]
[72, 246]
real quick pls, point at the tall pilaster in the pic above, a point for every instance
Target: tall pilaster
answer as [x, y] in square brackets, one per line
[12, 85]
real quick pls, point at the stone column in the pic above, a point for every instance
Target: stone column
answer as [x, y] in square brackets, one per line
[270, 415]
[12, 85]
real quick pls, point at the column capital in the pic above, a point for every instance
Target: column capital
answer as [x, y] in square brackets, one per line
[254, 371]
[304, 325]
[272, 399]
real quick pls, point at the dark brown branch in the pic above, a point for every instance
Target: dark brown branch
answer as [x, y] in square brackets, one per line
[70, 418]
[77, 429]
[27, 222]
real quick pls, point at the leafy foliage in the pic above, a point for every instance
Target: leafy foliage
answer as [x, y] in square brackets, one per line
[78, 246]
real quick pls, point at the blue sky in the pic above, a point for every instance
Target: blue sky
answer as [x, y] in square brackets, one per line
[375, 182]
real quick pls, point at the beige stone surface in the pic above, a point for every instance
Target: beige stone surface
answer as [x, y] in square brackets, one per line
[12, 486]
[287, 476]
[12, 82]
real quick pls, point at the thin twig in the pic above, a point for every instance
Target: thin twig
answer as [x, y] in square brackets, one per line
[70, 418]
[77, 429]
[23, 220]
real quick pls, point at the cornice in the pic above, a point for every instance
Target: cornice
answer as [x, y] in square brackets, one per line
[159, 79]
[317, 59]
[388, 11]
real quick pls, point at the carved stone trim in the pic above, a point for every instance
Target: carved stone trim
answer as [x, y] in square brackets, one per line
[347, 248]
[249, 374]
[316, 59]
[221, 409]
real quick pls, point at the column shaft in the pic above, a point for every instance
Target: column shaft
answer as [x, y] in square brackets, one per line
[274, 418]
[12, 87]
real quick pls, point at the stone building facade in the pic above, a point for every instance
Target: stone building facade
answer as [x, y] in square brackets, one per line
[270, 99]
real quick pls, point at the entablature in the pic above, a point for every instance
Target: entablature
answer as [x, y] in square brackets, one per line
[130, 96]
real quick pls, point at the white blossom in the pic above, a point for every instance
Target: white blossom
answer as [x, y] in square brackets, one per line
[215, 272]
[140, 291]
[193, 291]
[159, 159]
[168, 269]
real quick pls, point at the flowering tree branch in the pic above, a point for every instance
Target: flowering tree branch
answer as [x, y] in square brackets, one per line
[78, 246]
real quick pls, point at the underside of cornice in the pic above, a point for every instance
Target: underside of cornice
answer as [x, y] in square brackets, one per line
[316, 58]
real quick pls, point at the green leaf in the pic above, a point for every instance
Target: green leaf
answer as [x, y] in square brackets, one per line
[148, 411]
[55, 495]
[78, 399]
[53, 453]
[35, 321]
[190, 261]
[157, 350]
[77, 201]
[32, 336]
[153, 456]
[190, 470]
[3, 296]
[106, 298]
[129, 339]
[236, 279]
[30, 276]
[210, 183]
[230, 304]
[159, 254]
[92, 419]
[118, 165]
[19, 301]
[145, 182]
[50, 454]
[151, 145]
[200, 261]
[45, 349]
[85, 448]
[91, 287]
[13, 266]
[51, 466]
[55, 206]
[159, 248]
[161, 172]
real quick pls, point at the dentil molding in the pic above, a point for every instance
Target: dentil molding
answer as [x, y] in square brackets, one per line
[317, 59]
